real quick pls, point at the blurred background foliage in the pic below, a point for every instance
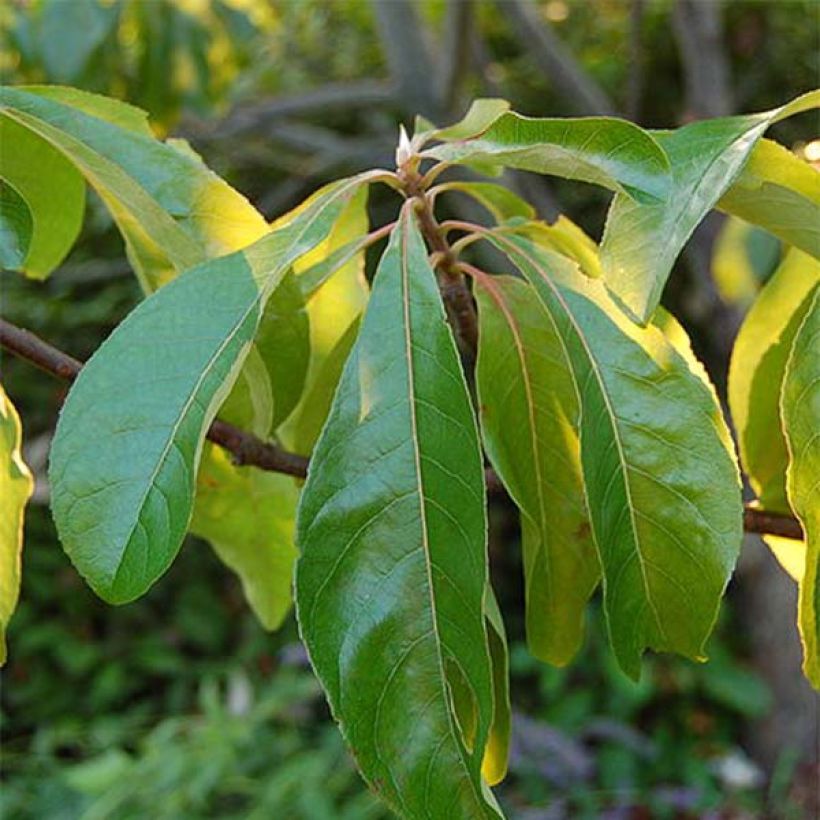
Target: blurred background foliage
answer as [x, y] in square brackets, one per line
[180, 705]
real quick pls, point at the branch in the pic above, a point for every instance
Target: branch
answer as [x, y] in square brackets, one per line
[247, 449]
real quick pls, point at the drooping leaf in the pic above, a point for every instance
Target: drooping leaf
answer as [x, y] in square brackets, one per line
[662, 487]
[781, 193]
[16, 486]
[248, 516]
[529, 421]
[609, 152]
[172, 211]
[52, 191]
[127, 446]
[643, 238]
[756, 374]
[800, 404]
[496, 755]
[391, 530]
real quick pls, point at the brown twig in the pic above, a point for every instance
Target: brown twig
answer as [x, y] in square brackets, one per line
[247, 449]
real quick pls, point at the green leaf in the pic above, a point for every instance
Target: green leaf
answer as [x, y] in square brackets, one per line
[16, 487]
[501, 202]
[127, 446]
[172, 211]
[800, 404]
[781, 193]
[480, 116]
[661, 483]
[529, 421]
[605, 151]
[756, 374]
[15, 228]
[392, 535]
[53, 192]
[304, 426]
[496, 755]
[643, 238]
[565, 237]
[248, 516]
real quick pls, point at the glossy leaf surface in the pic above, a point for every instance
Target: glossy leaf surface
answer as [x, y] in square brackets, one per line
[391, 529]
[127, 447]
[529, 421]
[756, 373]
[643, 238]
[609, 152]
[801, 421]
[662, 487]
[16, 487]
[248, 516]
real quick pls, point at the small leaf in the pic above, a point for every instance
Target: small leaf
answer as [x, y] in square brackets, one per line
[248, 517]
[391, 529]
[643, 238]
[800, 404]
[781, 193]
[16, 487]
[480, 116]
[605, 151]
[37, 171]
[501, 202]
[529, 421]
[661, 483]
[756, 374]
[127, 446]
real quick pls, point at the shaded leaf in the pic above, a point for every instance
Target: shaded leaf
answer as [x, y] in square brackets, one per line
[529, 421]
[643, 238]
[801, 421]
[392, 534]
[756, 374]
[602, 150]
[662, 487]
[16, 487]
[127, 446]
[248, 516]
[565, 237]
[496, 755]
[501, 202]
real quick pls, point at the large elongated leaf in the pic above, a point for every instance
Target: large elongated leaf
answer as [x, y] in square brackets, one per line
[756, 374]
[781, 193]
[172, 211]
[643, 238]
[392, 573]
[801, 422]
[16, 486]
[37, 171]
[248, 516]
[662, 487]
[127, 446]
[529, 420]
[602, 150]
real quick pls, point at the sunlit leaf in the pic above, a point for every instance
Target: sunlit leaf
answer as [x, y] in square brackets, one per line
[496, 755]
[480, 116]
[248, 516]
[565, 237]
[127, 446]
[605, 151]
[781, 193]
[662, 487]
[529, 421]
[756, 374]
[643, 238]
[52, 191]
[801, 423]
[501, 202]
[16, 486]
[391, 529]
